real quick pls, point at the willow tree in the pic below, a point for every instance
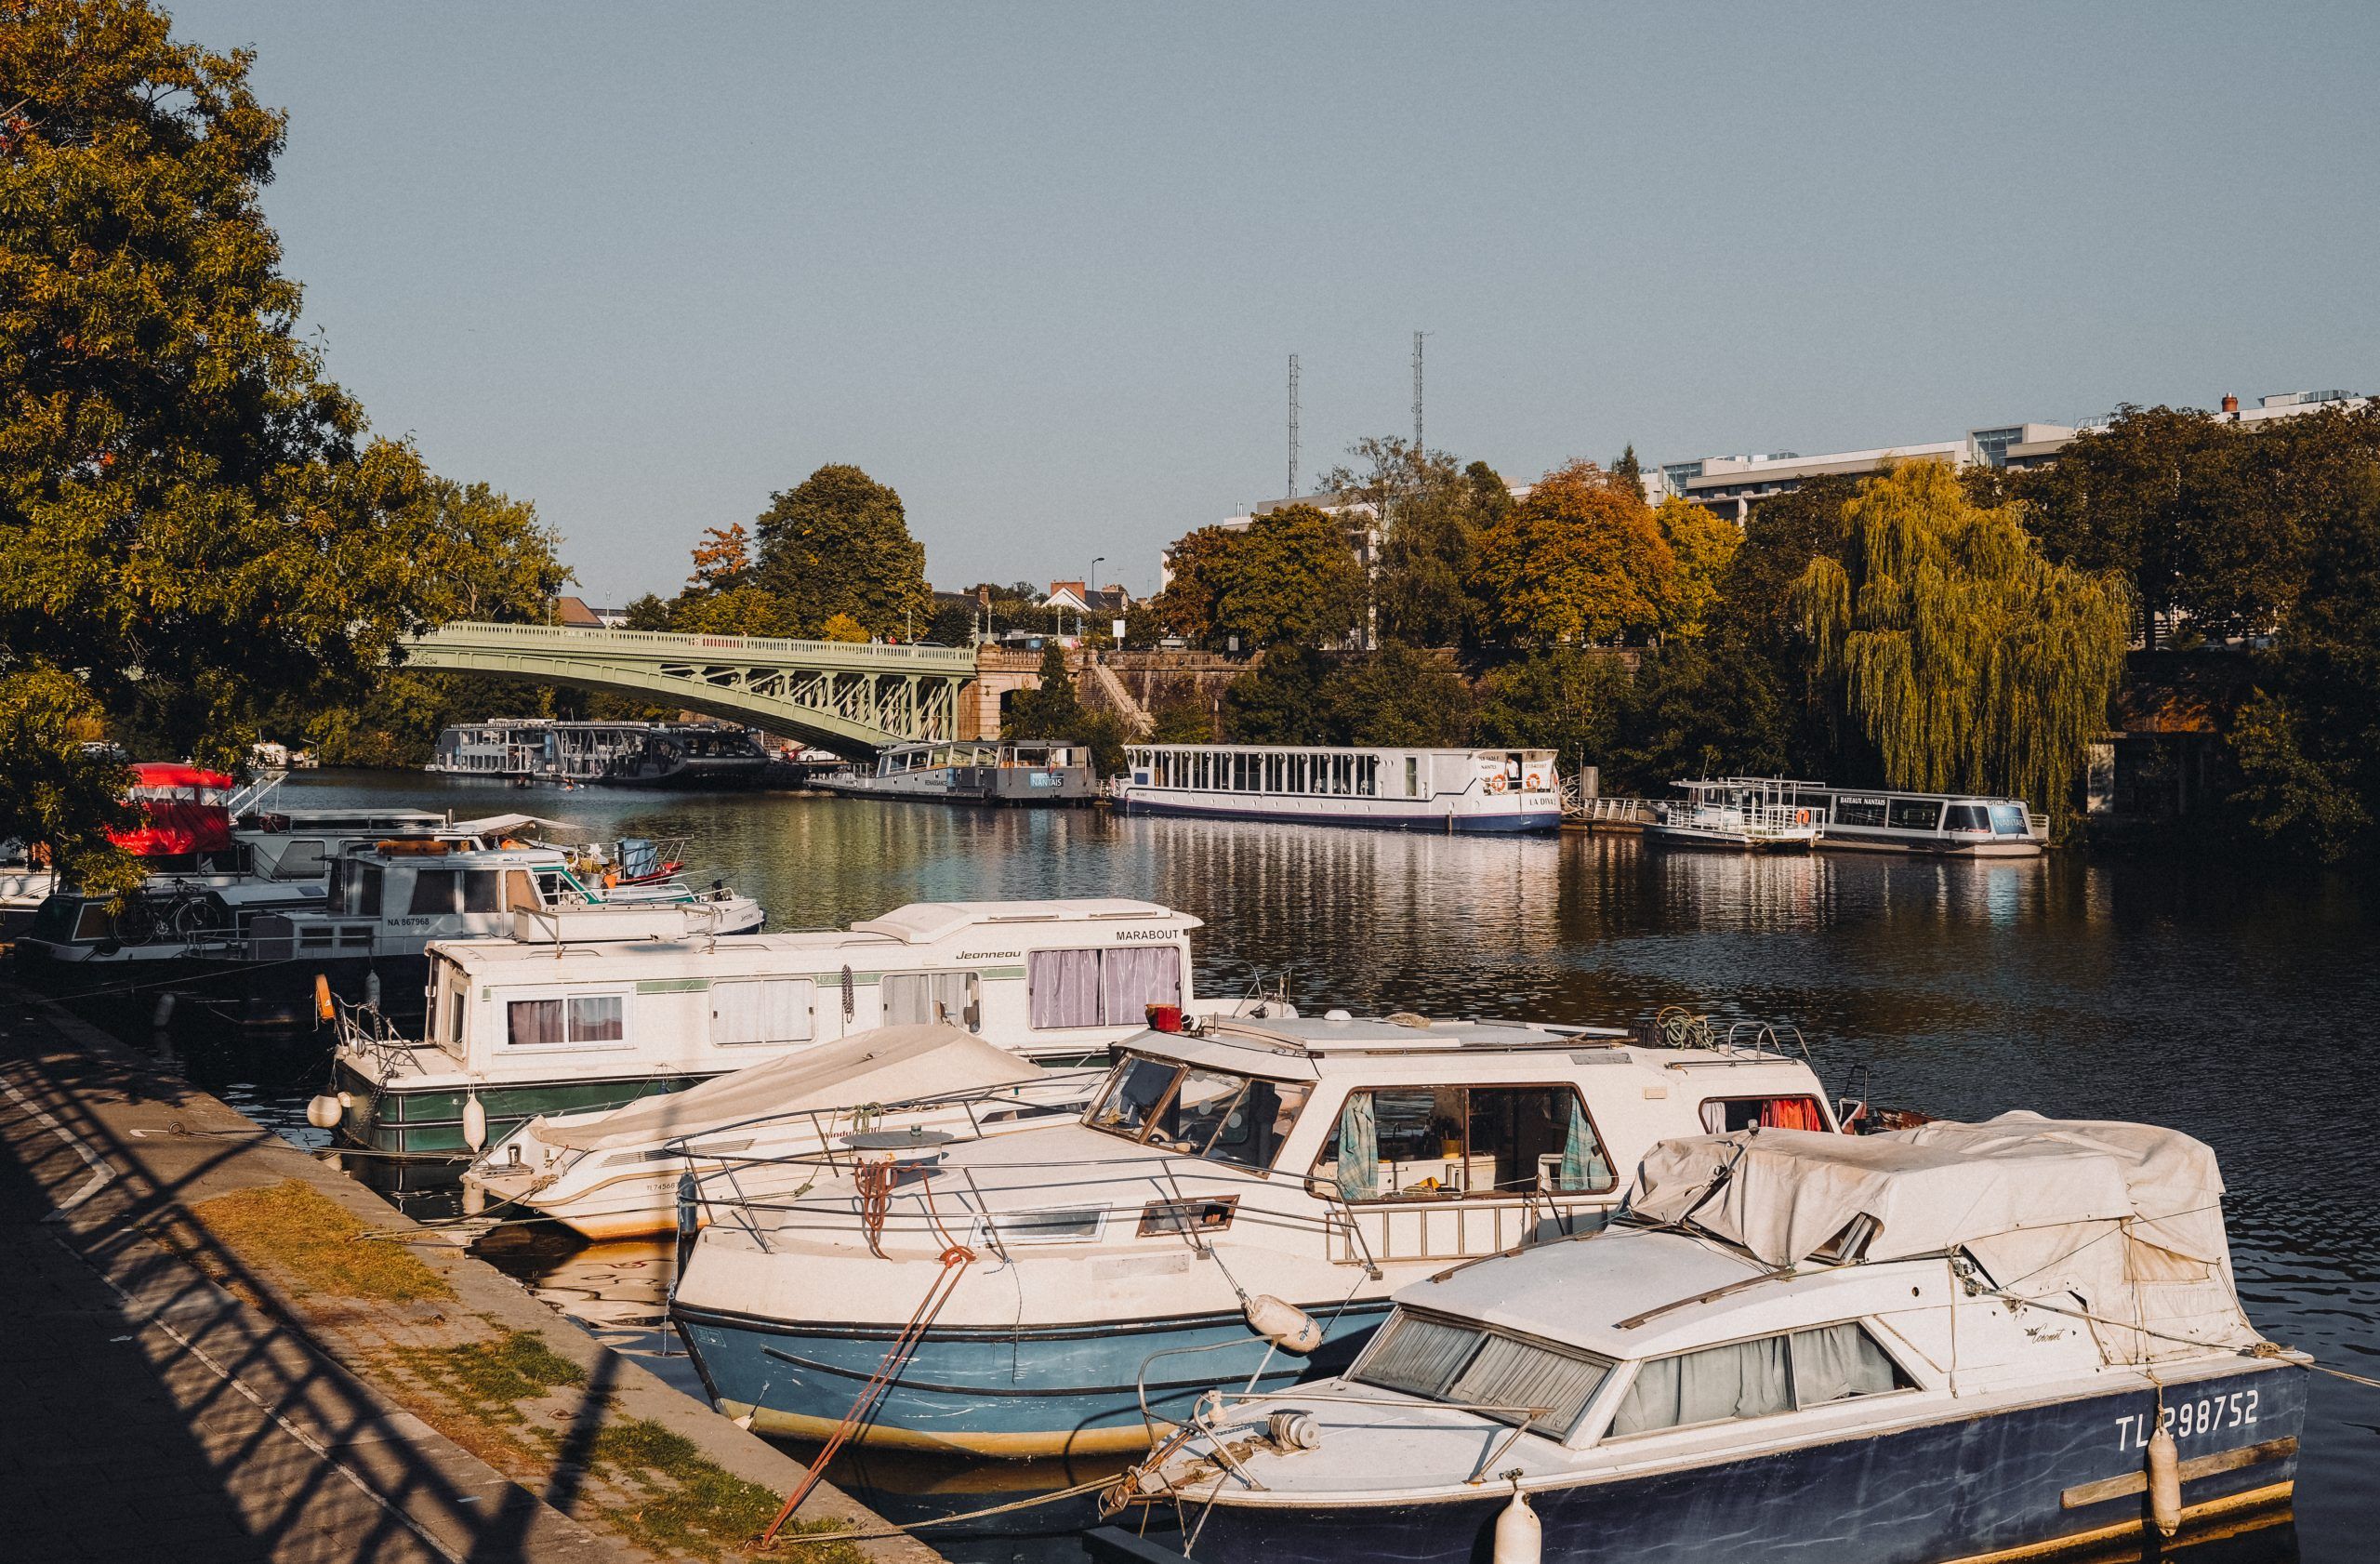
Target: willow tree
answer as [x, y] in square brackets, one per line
[1969, 659]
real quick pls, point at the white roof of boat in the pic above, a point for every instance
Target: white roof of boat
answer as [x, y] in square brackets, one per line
[924, 921]
[1401, 1033]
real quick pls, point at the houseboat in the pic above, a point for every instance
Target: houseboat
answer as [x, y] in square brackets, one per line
[1010, 772]
[690, 758]
[1735, 815]
[1398, 790]
[168, 930]
[1236, 1206]
[538, 1025]
[385, 904]
[1994, 1341]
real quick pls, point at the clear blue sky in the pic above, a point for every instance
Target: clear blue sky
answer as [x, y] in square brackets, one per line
[1040, 266]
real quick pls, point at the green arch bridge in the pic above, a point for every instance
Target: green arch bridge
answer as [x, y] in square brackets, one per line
[851, 697]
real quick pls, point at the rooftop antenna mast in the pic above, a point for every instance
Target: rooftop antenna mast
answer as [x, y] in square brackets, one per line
[1292, 492]
[1417, 390]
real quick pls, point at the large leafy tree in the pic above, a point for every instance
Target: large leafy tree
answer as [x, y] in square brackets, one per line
[192, 520]
[839, 543]
[1703, 545]
[1429, 517]
[1397, 696]
[1582, 559]
[1565, 698]
[1971, 660]
[1288, 577]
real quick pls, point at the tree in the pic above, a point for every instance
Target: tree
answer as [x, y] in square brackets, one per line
[842, 627]
[1292, 579]
[193, 522]
[1580, 559]
[1973, 662]
[1197, 568]
[1703, 545]
[1629, 470]
[1184, 720]
[1396, 696]
[648, 612]
[1428, 515]
[1279, 701]
[1698, 710]
[839, 543]
[1560, 698]
[722, 559]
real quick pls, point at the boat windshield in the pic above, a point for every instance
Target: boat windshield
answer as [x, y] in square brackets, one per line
[1466, 1365]
[1220, 1115]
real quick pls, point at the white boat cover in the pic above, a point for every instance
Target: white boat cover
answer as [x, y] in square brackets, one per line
[881, 1064]
[2125, 1220]
[507, 825]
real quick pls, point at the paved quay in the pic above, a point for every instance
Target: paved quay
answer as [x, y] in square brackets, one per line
[216, 1349]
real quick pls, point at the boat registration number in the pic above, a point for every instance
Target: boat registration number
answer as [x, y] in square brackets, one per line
[2208, 1414]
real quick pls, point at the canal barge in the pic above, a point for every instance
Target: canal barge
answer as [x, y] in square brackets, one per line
[1391, 789]
[1971, 1341]
[540, 1025]
[1013, 772]
[1236, 1206]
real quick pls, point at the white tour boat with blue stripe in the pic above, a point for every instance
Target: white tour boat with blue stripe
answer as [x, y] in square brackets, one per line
[1965, 1342]
[1236, 1206]
[1313, 785]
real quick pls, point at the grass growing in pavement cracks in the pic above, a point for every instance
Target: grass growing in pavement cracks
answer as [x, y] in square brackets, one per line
[318, 1243]
[486, 1378]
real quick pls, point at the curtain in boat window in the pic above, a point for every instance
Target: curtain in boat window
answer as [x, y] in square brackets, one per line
[1416, 1356]
[1792, 1113]
[1133, 977]
[1838, 1360]
[1583, 1164]
[1745, 1380]
[1062, 988]
[913, 998]
[597, 1018]
[1359, 1148]
[761, 1010]
[1511, 1376]
[533, 1022]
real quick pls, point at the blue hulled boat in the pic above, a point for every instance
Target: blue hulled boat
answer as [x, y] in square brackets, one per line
[1972, 1342]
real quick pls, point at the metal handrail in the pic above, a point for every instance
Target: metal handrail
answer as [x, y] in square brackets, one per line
[665, 639]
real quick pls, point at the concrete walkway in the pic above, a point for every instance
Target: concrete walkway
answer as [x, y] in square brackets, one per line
[169, 1397]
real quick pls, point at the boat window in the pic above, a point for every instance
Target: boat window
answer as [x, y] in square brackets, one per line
[913, 998]
[761, 1010]
[302, 859]
[1859, 812]
[1112, 988]
[1966, 817]
[1758, 1378]
[596, 1018]
[1448, 1142]
[484, 890]
[1914, 814]
[1215, 1114]
[93, 922]
[1502, 1376]
[1412, 777]
[521, 891]
[434, 891]
[1725, 1115]
[2009, 819]
[577, 1021]
[1077, 1224]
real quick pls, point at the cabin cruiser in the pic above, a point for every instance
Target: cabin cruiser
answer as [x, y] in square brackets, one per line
[1236, 1204]
[1735, 815]
[1007, 771]
[1959, 1341]
[385, 903]
[546, 1023]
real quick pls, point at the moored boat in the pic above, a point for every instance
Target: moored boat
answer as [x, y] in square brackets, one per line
[1313, 785]
[1735, 815]
[1962, 1342]
[1236, 1205]
[1003, 771]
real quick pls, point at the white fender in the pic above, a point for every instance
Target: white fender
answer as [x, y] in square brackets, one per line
[323, 1112]
[1520, 1536]
[2164, 1482]
[474, 1122]
[1284, 1325]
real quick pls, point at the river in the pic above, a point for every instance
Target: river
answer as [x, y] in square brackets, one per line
[2235, 1005]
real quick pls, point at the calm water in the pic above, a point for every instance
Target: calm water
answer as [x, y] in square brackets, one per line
[2240, 1009]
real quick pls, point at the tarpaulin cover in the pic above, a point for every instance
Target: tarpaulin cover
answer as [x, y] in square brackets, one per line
[881, 1064]
[182, 811]
[2126, 1219]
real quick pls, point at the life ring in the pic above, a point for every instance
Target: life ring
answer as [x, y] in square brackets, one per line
[1534, 782]
[1801, 817]
[1496, 783]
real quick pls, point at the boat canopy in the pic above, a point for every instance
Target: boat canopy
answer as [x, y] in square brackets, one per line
[2033, 1200]
[881, 1064]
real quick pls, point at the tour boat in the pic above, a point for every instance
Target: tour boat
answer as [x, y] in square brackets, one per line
[1009, 772]
[1398, 790]
[1970, 1342]
[1735, 815]
[548, 1024]
[1945, 825]
[1236, 1206]
[385, 903]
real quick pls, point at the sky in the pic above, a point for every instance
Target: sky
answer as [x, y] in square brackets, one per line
[1040, 266]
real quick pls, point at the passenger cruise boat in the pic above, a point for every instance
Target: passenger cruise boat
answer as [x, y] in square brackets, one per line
[1237, 1206]
[1976, 1341]
[546, 1023]
[1735, 815]
[1399, 790]
[1009, 772]
[1880, 821]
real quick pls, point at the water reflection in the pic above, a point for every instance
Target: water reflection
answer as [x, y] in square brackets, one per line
[2235, 1007]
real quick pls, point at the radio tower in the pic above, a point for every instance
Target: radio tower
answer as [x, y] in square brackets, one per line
[1417, 390]
[1292, 492]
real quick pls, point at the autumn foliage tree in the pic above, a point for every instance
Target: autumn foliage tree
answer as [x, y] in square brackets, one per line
[1581, 560]
[838, 542]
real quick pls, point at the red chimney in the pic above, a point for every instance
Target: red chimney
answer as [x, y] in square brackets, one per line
[2230, 403]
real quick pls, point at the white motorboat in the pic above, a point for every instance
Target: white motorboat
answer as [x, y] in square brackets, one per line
[1238, 1204]
[1735, 815]
[1960, 1341]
